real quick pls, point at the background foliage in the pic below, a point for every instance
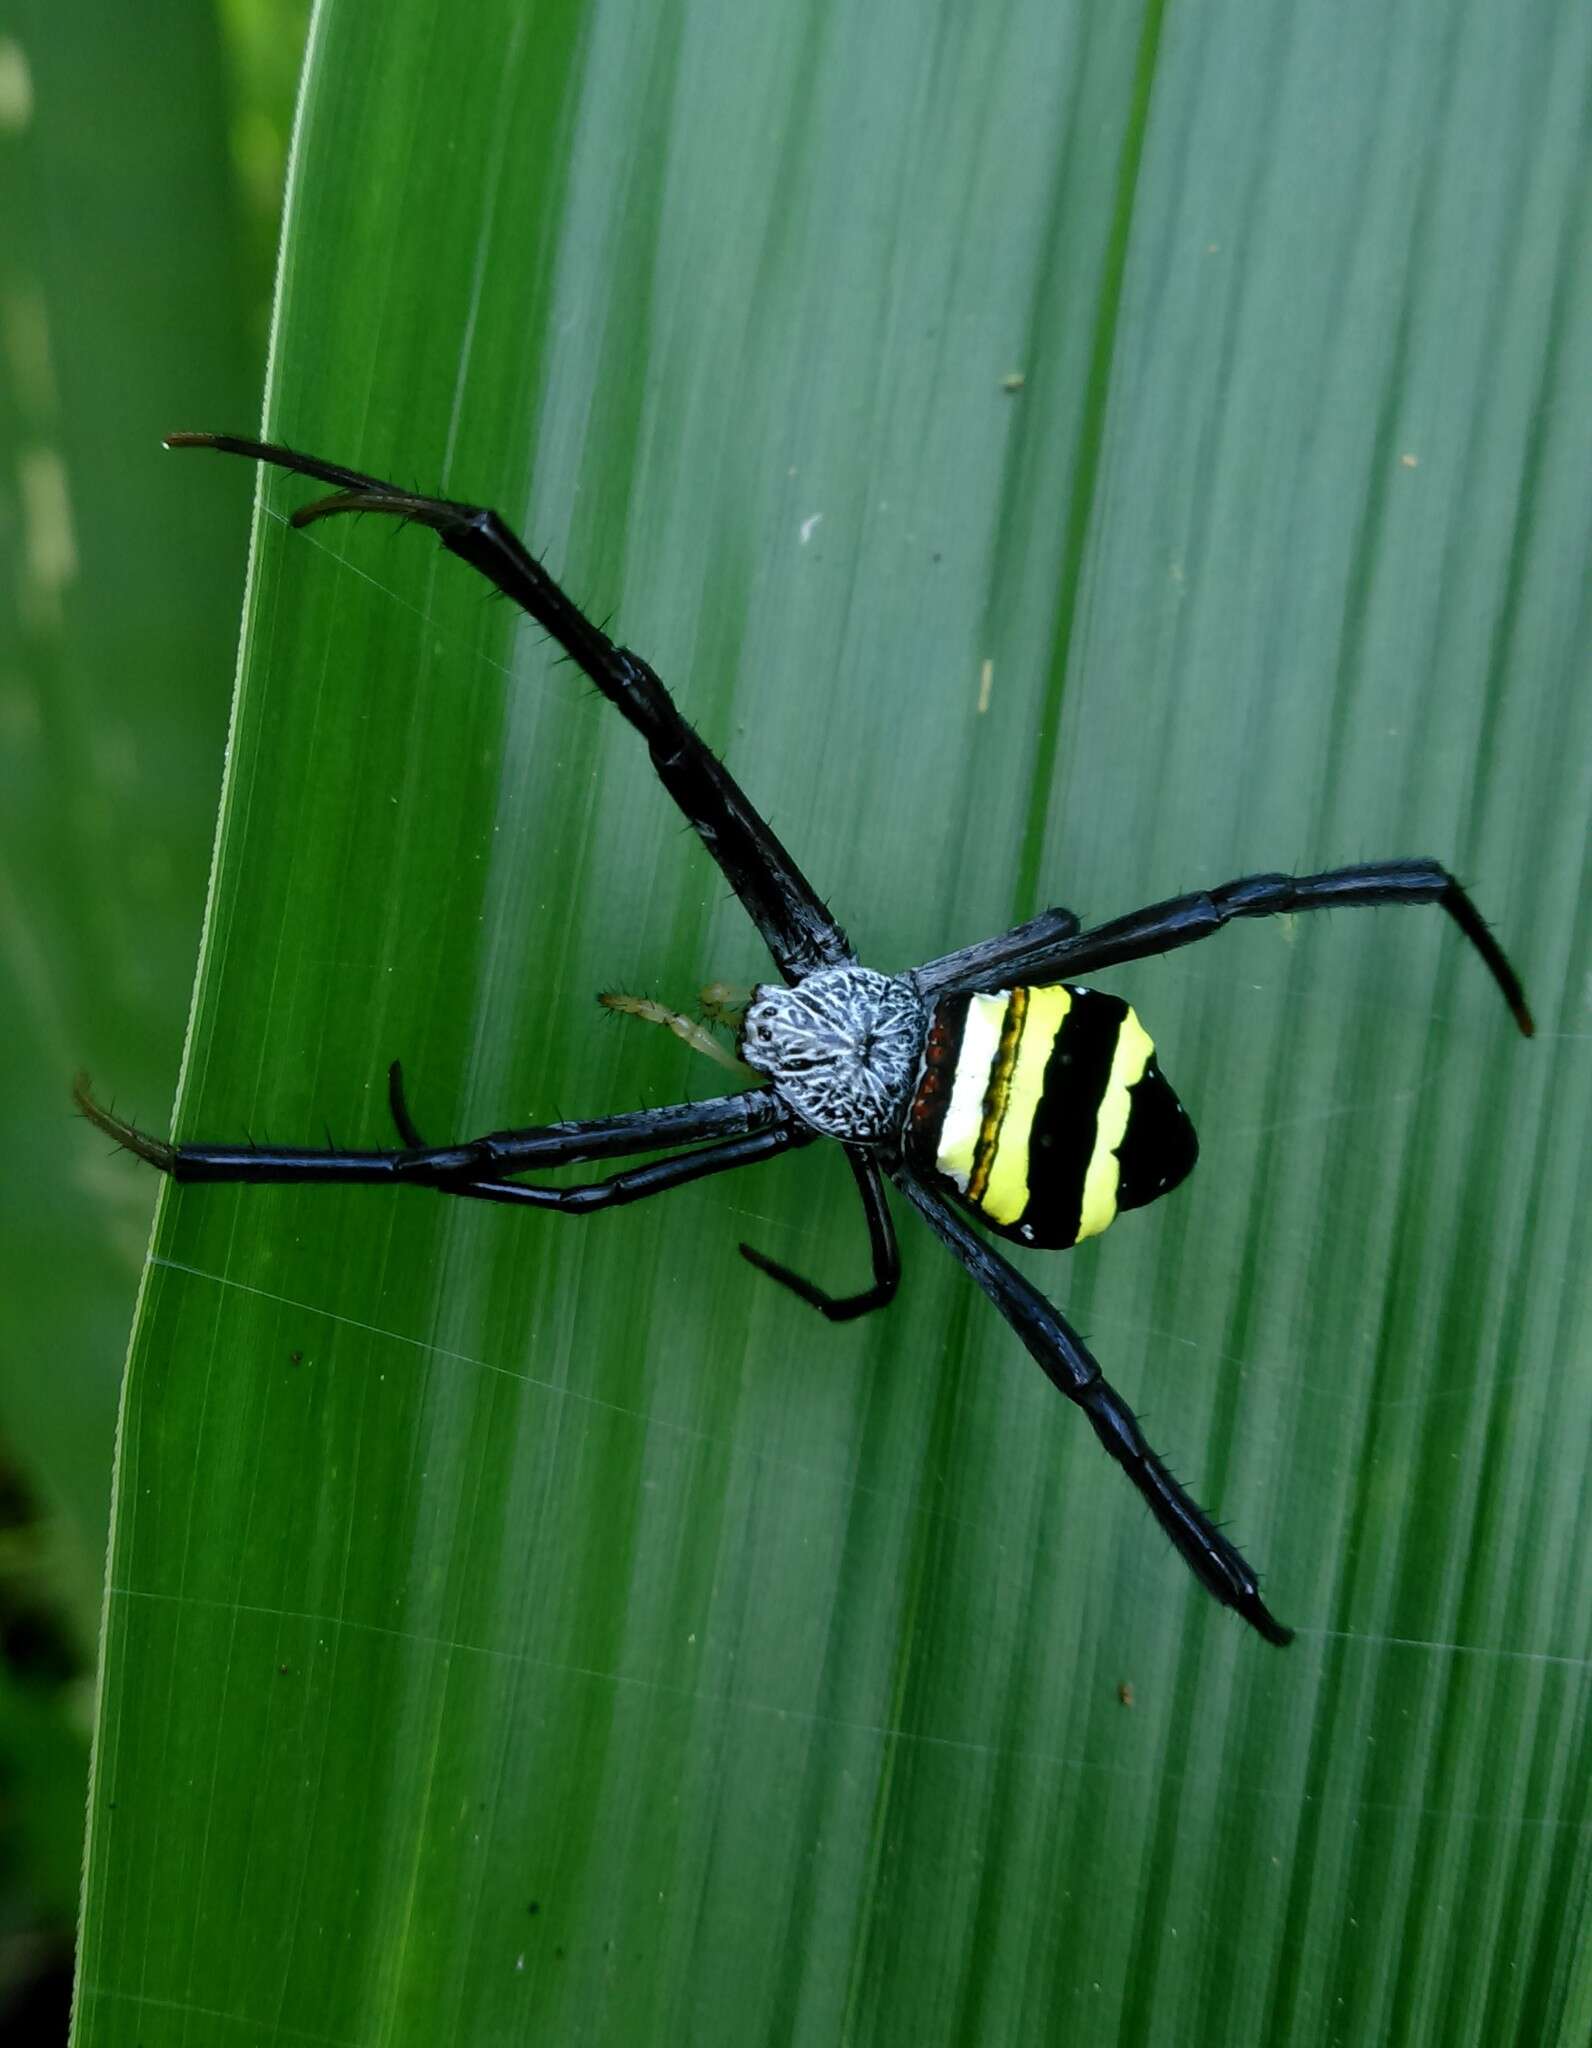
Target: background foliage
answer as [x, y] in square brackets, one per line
[522, 1629]
[133, 291]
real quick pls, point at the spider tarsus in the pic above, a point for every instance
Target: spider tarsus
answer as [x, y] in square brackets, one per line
[782, 1274]
[1260, 1618]
[140, 1143]
[190, 441]
[1456, 899]
[398, 1109]
[318, 508]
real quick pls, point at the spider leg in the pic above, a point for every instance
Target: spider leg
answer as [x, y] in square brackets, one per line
[635, 1183]
[759, 1113]
[1068, 1365]
[606, 1137]
[686, 1029]
[796, 927]
[882, 1239]
[1182, 919]
[1000, 960]
[398, 1108]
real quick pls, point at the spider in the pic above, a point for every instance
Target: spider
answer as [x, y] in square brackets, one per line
[987, 1084]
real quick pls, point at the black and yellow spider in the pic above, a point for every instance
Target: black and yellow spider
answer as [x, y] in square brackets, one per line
[986, 1083]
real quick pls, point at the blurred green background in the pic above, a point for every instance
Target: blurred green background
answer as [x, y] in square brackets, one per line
[141, 158]
[1057, 454]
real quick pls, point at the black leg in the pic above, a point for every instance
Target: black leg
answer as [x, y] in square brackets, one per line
[1063, 1358]
[636, 1183]
[881, 1234]
[641, 1182]
[478, 1160]
[572, 1144]
[796, 927]
[398, 1107]
[993, 962]
[1183, 919]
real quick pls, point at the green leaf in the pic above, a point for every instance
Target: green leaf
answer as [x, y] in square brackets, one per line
[529, 1629]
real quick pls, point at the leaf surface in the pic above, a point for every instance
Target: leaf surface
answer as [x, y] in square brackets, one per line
[532, 1629]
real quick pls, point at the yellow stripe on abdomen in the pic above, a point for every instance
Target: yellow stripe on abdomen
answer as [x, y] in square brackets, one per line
[1006, 1188]
[997, 1093]
[1128, 1063]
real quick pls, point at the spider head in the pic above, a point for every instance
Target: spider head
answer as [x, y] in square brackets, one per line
[842, 1048]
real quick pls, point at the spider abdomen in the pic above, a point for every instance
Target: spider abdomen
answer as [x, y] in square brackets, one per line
[1044, 1112]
